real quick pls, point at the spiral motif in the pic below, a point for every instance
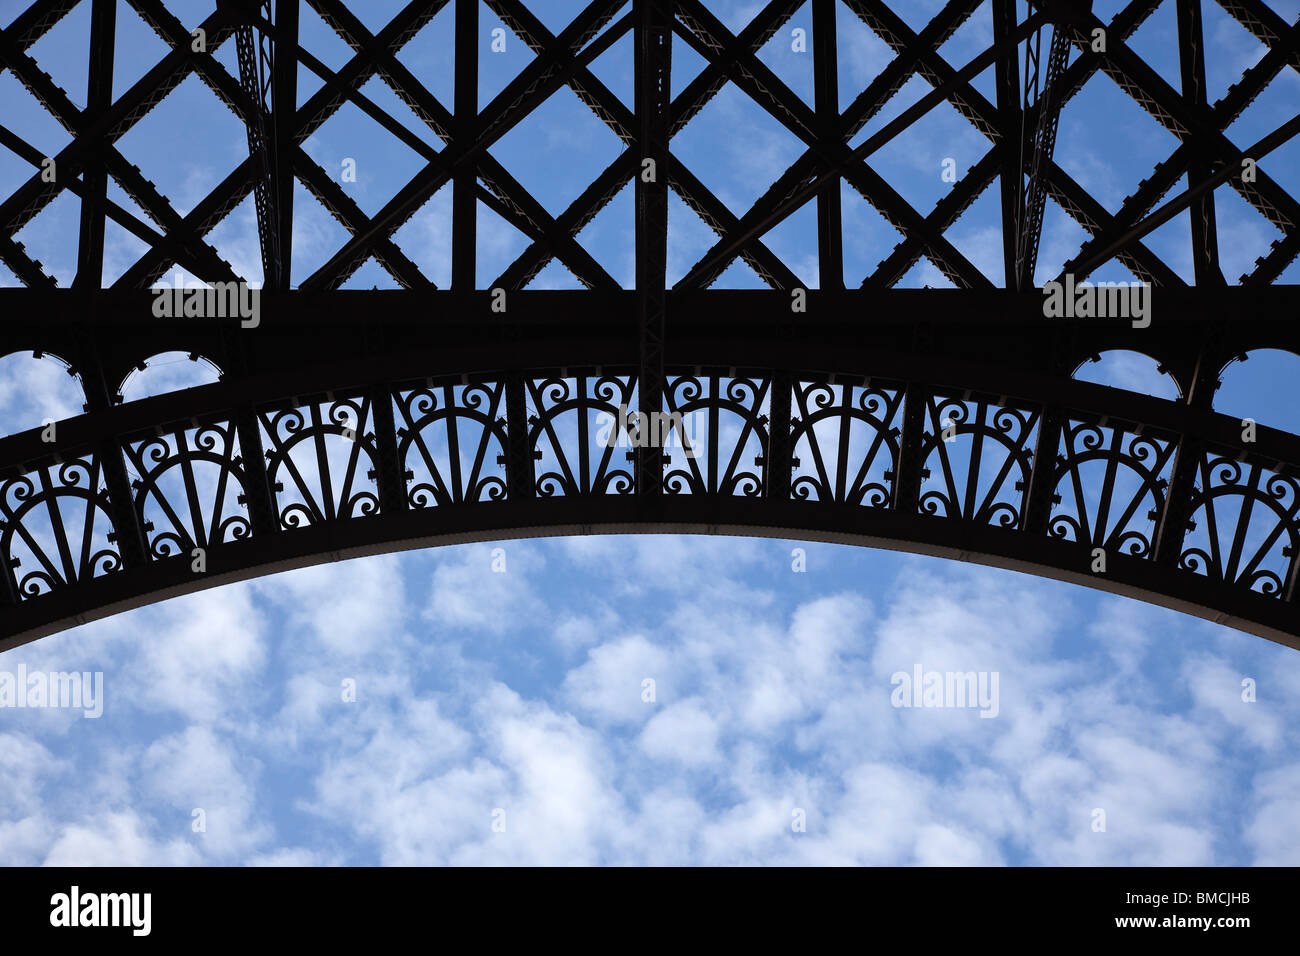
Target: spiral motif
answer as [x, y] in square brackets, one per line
[934, 503]
[873, 495]
[491, 488]
[1225, 472]
[361, 505]
[1145, 449]
[1010, 422]
[806, 488]
[875, 403]
[168, 544]
[551, 484]
[75, 473]
[1137, 469]
[1003, 515]
[686, 388]
[1088, 436]
[480, 395]
[1283, 489]
[1134, 543]
[618, 482]
[1265, 582]
[1196, 560]
[819, 395]
[742, 391]
[423, 495]
[554, 390]
[288, 422]
[1067, 528]
[17, 491]
[953, 410]
[347, 414]
[296, 515]
[613, 390]
[156, 450]
[421, 403]
[104, 562]
[234, 528]
[35, 583]
[212, 437]
[744, 484]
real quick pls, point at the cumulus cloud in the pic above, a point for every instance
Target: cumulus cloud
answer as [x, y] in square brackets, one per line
[768, 735]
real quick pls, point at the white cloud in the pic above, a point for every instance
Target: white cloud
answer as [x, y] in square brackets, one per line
[684, 732]
[117, 839]
[764, 708]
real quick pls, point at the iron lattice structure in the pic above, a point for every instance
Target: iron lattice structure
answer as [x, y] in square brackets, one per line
[939, 421]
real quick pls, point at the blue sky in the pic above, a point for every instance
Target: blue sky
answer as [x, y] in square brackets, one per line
[521, 690]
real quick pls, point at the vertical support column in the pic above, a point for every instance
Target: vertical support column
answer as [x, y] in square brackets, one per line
[1292, 577]
[257, 496]
[1007, 80]
[653, 97]
[256, 65]
[1170, 533]
[779, 447]
[464, 231]
[1042, 480]
[909, 472]
[128, 527]
[519, 456]
[283, 145]
[1167, 545]
[830, 233]
[1191, 62]
[99, 97]
[389, 474]
[8, 582]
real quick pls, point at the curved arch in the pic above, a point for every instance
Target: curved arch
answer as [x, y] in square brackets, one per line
[430, 443]
[368, 434]
[187, 483]
[823, 410]
[1243, 525]
[35, 509]
[972, 483]
[1177, 589]
[289, 485]
[165, 372]
[1129, 369]
[35, 389]
[1242, 394]
[308, 447]
[1111, 482]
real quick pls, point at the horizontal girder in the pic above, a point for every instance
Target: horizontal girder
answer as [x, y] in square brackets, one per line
[944, 422]
[940, 422]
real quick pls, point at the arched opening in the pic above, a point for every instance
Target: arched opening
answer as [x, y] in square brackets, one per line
[1132, 371]
[36, 389]
[1249, 388]
[168, 372]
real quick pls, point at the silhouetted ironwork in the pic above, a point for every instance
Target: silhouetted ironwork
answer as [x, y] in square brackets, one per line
[256, 67]
[947, 422]
[1039, 100]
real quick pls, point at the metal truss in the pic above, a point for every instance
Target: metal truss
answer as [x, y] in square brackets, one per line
[940, 421]
[356, 424]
